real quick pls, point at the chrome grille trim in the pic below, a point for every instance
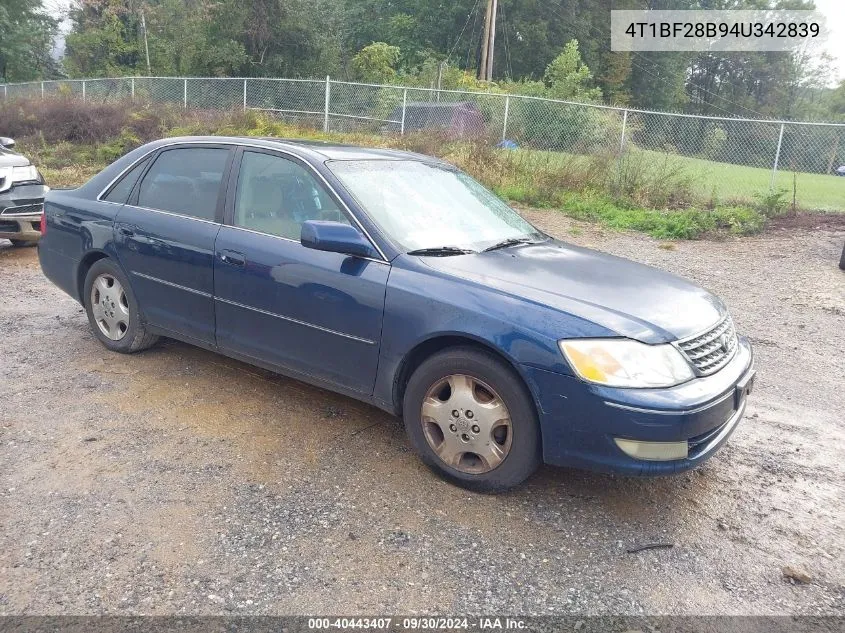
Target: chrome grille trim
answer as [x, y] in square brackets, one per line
[712, 350]
[24, 209]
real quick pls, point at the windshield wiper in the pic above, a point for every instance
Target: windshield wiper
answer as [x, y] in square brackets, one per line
[511, 241]
[441, 251]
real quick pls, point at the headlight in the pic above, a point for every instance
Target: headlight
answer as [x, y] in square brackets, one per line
[626, 363]
[24, 174]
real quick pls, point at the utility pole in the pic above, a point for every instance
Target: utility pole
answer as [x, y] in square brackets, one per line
[485, 69]
[146, 45]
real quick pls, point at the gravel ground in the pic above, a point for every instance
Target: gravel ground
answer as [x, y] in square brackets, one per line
[177, 481]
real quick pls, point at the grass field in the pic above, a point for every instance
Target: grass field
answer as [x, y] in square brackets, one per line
[727, 182]
[712, 182]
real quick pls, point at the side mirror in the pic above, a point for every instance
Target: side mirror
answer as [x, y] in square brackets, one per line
[7, 142]
[335, 237]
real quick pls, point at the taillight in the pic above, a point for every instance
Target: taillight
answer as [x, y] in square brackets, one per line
[43, 221]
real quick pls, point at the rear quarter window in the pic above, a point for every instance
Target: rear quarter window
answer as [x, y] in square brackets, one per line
[120, 191]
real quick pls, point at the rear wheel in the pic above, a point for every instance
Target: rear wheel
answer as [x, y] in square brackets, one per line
[113, 311]
[472, 421]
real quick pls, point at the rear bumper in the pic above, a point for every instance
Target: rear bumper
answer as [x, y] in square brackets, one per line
[580, 422]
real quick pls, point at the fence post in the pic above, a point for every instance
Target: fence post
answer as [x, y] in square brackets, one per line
[5, 92]
[624, 127]
[185, 95]
[404, 106]
[326, 108]
[132, 83]
[777, 158]
[83, 91]
[42, 89]
[244, 95]
[505, 122]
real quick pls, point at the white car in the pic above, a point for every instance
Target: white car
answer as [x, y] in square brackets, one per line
[22, 192]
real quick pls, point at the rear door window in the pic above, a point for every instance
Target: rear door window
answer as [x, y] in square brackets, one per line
[185, 181]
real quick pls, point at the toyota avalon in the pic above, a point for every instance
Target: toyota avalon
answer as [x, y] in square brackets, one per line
[396, 279]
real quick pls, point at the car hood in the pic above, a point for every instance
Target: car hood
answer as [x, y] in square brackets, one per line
[11, 159]
[631, 299]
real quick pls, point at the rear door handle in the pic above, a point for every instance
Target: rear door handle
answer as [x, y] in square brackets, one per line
[233, 258]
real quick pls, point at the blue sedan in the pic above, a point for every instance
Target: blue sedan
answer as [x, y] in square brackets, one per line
[398, 280]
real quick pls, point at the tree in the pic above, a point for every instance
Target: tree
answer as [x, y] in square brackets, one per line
[26, 39]
[376, 63]
[836, 102]
[104, 39]
[567, 77]
[417, 41]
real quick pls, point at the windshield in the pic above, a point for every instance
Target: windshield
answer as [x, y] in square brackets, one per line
[425, 206]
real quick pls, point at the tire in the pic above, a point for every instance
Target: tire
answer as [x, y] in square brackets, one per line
[118, 308]
[23, 243]
[842, 258]
[446, 380]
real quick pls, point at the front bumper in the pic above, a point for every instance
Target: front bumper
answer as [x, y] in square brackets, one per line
[579, 421]
[20, 212]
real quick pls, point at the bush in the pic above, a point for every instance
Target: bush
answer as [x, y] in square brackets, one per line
[71, 120]
[773, 203]
[683, 224]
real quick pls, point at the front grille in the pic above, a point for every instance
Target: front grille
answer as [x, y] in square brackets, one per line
[24, 209]
[711, 351]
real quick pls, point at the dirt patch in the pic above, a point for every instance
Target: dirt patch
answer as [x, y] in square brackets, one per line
[808, 220]
[178, 481]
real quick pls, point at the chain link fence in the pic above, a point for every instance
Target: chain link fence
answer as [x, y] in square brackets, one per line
[726, 159]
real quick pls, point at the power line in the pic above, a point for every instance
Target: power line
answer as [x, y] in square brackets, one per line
[658, 77]
[507, 43]
[461, 34]
[702, 89]
[471, 39]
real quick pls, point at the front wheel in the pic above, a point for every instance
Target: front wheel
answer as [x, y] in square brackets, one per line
[113, 310]
[472, 421]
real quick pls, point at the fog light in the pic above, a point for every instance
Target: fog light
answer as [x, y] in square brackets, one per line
[653, 451]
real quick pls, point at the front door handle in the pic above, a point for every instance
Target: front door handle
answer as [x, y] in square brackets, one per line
[232, 258]
[126, 230]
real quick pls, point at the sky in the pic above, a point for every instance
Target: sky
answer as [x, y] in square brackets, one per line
[833, 10]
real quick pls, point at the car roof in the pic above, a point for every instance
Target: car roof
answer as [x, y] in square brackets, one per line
[314, 150]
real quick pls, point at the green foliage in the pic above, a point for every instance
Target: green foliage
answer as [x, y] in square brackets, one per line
[567, 77]
[683, 224]
[115, 148]
[26, 37]
[104, 41]
[774, 202]
[313, 38]
[376, 63]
